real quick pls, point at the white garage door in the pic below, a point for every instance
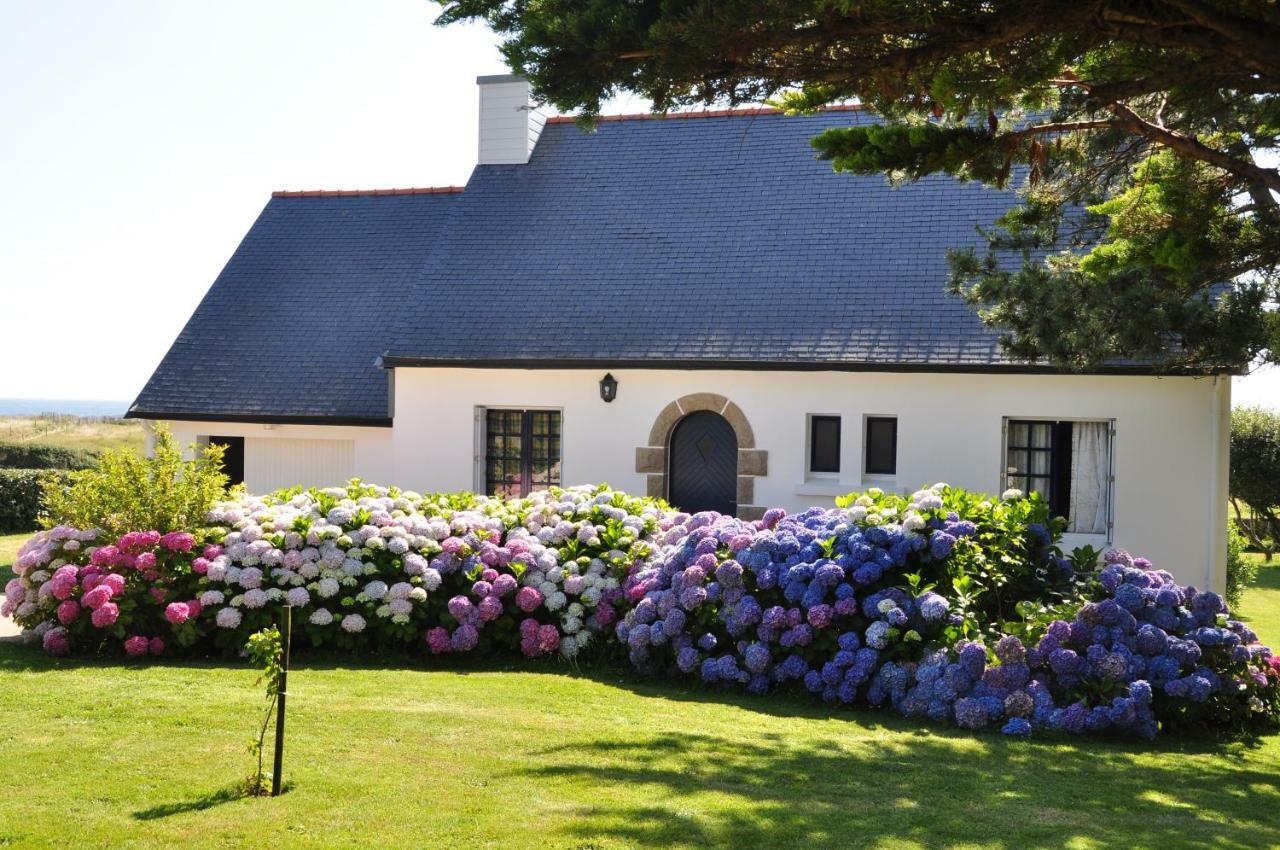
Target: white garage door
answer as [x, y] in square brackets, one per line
[270, 464]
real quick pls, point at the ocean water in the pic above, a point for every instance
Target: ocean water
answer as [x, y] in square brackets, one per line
[72, 406]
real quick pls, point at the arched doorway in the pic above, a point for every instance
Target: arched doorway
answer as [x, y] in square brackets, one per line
[703, 464]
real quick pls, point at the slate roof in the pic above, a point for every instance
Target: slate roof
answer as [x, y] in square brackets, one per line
[706, 240]
[291, 329]
[716, 241]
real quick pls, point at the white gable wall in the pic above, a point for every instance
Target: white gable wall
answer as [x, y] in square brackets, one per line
[1170, 455]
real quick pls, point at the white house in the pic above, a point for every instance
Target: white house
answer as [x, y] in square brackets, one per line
[689, 306]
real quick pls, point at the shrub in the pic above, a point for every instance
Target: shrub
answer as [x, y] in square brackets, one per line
[1255, 472]
[38, 456]
[944, 605]
[1241, 571]
[126, 492]
[22, 497]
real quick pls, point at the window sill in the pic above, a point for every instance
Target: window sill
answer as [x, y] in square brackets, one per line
[825, 487]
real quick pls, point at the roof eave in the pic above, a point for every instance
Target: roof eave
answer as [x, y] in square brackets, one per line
[260, 418]
[403, 360]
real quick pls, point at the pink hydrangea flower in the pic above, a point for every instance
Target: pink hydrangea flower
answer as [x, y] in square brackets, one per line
[178, 541]
[145, 561]
[106, 615]
[194, 607]
[57, 641]
[177, 613]
[61, 588]
[490, 608]
[97, 597]
[158, 593]
[135, 646]
[155, 646]
[68, 611]
[528, 599]
[200, 566]
[212, 551]
[438, 640]
[503, 584]
[104, 556]
[548, 638]
[115, 581]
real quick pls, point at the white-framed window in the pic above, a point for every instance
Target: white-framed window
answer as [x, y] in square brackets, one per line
[822, 446]
[1069, 463]
[879, 446]
[518, 450]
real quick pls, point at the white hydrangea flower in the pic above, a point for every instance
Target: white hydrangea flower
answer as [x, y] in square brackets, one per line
[227, 618]
[212, 597]
[298, 597]
[353, 623]
[375, 590]
[255, 598]
[418, 594]
[327, 588]
[1011, 494]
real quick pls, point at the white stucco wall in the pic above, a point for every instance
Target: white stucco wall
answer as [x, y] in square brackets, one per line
[1170, 461]
[278, 456]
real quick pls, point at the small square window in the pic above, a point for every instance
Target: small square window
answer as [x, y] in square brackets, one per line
[881, 446]
[824, 443]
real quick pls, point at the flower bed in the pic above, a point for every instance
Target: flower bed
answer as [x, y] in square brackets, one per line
[945, 604]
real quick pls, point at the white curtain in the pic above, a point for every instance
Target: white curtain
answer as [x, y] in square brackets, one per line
[1090, 469]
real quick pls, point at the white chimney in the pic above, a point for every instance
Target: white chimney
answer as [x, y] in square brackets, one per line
[510, 122]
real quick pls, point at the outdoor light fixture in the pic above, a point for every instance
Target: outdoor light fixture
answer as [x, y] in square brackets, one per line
[608, 387]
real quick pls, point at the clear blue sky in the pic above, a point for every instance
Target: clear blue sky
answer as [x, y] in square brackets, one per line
[141, 139]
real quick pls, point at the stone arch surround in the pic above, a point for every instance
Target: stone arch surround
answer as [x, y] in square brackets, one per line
[651, 460]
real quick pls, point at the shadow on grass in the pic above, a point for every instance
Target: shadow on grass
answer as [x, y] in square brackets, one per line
[934, 789]
[208, 801]
[229, 794]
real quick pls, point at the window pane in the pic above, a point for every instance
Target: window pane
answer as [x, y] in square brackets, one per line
[522, 450]
[1018, 434]
[1040, 463]
[824, 444]
[1041, 435]
[882, 445]
[1018, 460]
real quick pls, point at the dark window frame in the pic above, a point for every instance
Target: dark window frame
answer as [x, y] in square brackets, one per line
[814, 420]
[1057, 480]
[535, 460]
[867, 468]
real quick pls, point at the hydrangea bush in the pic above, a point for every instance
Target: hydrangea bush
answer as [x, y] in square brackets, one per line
[944, 604]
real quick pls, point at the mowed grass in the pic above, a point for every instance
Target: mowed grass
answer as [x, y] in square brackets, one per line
[9, 544]
[1261, 605]
[71, 432]
[108, 754]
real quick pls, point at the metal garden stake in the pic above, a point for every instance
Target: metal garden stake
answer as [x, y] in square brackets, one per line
[281, 693]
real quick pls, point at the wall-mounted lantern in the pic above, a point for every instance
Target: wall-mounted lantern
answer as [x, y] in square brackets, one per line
[608, 387]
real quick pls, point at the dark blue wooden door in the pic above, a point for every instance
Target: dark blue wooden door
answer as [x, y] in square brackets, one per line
[704, 464]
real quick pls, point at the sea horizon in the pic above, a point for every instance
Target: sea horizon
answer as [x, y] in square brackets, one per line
[65, 406]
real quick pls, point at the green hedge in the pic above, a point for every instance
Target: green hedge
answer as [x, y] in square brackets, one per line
[38, 456]
[21, 498]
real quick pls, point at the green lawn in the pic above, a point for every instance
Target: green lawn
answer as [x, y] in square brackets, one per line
[9, 544]
[112, 754]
